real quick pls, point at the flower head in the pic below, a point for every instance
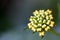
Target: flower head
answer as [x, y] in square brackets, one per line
[41, 21]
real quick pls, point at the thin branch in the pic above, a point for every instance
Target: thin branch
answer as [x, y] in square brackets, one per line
[54, 32]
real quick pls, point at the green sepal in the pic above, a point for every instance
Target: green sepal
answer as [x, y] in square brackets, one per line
[26, 28]
[33, 32]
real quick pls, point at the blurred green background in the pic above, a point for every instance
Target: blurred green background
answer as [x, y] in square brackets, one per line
[14, 16]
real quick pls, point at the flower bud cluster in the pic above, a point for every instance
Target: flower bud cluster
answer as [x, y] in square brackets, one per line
[41, 21]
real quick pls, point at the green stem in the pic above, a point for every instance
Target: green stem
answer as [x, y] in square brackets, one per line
[54, 32]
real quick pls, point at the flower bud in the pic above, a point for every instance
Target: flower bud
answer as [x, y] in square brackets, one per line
[41, 33]
[29, 25]
[47, 28]
[43, 26]
[33, 29]
[39, 29]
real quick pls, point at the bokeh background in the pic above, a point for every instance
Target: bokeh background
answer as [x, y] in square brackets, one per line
[14, 16]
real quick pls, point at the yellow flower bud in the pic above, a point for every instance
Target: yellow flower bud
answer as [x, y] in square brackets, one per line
[48, 22]
[35, 21]
[46, 13]
[35, 13]
[49, 11]
[31, 20]
[47, 28]
[41, 11]
[41, 33]
[40, 21]
[33, 29]
[52, 24]
[39, 29]
[44, 21]
[47, 17]
[39, 24]
[31, 17]
[51, 17]
[29, 25]
[43, 26]
[35, 25]
[43, 16]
